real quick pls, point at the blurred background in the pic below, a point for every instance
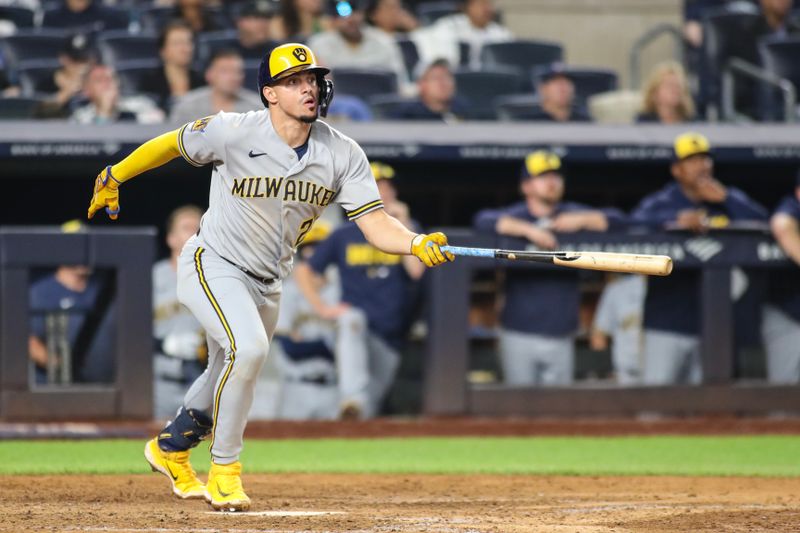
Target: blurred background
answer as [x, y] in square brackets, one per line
[541, 124]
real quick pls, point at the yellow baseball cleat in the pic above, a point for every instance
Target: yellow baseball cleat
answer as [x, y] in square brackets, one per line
[224, 488]
[175, 465]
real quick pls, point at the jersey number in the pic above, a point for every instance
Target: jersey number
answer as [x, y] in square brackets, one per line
[305, 227]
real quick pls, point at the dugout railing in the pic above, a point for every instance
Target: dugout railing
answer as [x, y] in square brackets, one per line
[447, 391]
[127, 254]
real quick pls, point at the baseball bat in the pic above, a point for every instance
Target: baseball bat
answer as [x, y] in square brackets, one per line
[652, 265]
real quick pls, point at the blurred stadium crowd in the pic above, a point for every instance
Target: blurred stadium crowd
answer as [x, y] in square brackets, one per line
[150, 61]
[342, 331]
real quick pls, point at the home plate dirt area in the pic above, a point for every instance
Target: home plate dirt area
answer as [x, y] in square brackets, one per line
[408, 503]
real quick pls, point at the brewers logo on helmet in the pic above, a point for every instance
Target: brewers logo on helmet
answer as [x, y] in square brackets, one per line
[291, 58]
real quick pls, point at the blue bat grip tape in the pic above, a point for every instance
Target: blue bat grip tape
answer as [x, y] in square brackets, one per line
[474, 252]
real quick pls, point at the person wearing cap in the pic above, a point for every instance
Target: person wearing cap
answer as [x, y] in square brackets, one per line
[304, 351]
[372, 317]
[61, 304]
[475, 26]
[274, 171]
[254, 28]
[224, 92]
[697, 202]
[781, 314]
[556, 94]
[175, 77]
[539, 319]
[75, 60]
[436, 97]
[351, 43]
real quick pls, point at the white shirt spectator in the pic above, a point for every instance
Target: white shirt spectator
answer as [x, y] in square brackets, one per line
[441, 39]
[143, 109]
[375, 51]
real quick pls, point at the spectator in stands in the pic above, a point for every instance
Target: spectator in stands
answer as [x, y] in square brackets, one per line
[105, 105]
[351, 43]
[390, 16]
[536, 337]
[306, 342]
[65, 327]
[181, 352]
[436, 98]
[776, 20]
[225, 76]
[372, 317]
[695, 10]
[197, 16]
[76, 58]
[781, 314]
[619, 319]
[556, 93]
[254, 28]
[175, 77]
[475, 26]
[85, 15]
[666, 96]
[347, 107]
[298, 20]
[695, 202]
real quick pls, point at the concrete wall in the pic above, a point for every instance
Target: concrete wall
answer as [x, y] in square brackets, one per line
[595, 32]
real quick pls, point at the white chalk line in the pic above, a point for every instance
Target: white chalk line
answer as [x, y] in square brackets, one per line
[275, 513]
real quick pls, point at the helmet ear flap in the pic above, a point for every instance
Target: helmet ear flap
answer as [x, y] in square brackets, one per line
[325, 95]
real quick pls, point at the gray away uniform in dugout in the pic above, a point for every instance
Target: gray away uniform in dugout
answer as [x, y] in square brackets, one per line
[262, 202]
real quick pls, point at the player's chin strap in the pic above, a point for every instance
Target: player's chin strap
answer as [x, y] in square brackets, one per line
[325, 96]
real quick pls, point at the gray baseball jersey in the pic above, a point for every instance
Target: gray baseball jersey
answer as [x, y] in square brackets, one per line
[263, 199]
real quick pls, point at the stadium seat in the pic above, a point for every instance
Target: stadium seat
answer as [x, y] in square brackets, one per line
[515, 107]
[209, 42]
[782, 58]
[114, 19]
[18, 108]
[384, 105]
[480, 87]
[722, 41]
[410, 54]
[430, 12]
[20, 16]
[364, 83]
[116, 46]
[36, 77]
[131, 73]
[153, 18]
[588, 82]
[30, 44]
[523, 55]
[251, 74]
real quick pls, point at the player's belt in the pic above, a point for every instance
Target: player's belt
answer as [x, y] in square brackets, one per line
[265, 281]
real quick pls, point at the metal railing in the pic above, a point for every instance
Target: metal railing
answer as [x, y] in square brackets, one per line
[740, 67]
[646, 40]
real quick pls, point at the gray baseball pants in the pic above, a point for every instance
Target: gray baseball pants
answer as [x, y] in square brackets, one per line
[529, 359]
[782, 343]
[671, 358]
[238, 314]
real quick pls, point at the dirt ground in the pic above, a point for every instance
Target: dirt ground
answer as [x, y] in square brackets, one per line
[408, 503]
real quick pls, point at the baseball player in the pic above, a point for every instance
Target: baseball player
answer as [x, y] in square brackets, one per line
[371, 320]
[537, 339]
[180, 341]
[304, 351]
[781, 320]
[697, 202]
[273, 172]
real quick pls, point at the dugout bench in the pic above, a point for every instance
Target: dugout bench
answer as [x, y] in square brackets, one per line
[129, 253]
[446, 390]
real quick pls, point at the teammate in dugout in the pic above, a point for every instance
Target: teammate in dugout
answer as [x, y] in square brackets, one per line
[697, 202]
[273, 172]
[781, 321]
[372, 318]
[537, 338]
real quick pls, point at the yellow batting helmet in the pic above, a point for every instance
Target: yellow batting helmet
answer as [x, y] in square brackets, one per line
[540, 162]
[291, 58]
[691, 144]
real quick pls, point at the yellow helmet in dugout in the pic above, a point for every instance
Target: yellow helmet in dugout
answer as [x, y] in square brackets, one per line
[691, 144]
[318, 232]
[540, 162]
[291, 58]
[381, 171]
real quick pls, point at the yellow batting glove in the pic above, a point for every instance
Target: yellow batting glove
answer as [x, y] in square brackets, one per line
[106, 194]
[426, 248]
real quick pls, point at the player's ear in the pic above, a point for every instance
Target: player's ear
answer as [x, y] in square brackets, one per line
[269, 94]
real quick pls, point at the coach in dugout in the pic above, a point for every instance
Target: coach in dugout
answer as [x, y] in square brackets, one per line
[781, 321]
[537, 339]
[696, 202]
